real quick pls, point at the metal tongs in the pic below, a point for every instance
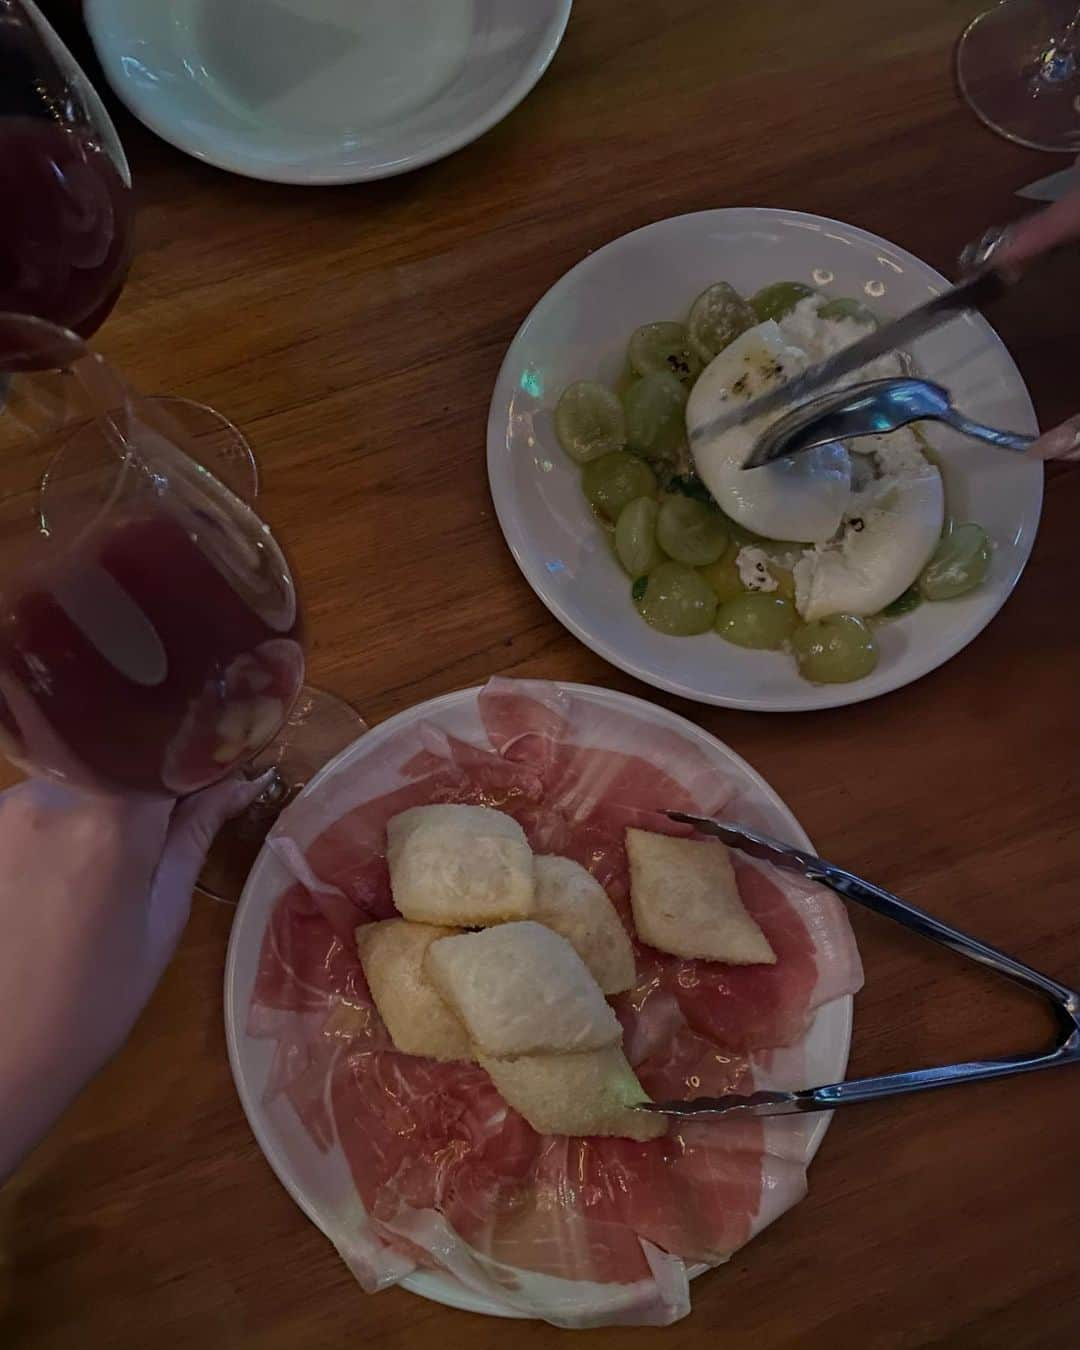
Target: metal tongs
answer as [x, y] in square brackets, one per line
[1065, 1002]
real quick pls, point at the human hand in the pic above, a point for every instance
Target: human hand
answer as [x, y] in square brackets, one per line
[1035, 235]
[94, 895]
[1039, 233]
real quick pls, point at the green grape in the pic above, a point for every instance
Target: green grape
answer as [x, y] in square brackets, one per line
[691, 532]
[847, 307]
[778, 300]
[959, 564]
[589, 421]
[612, 483]
[717, 317]
[625, 378]
[757, 619]
[664, 349]
[655, 415]
[904, 603]
[677, 601]
[635, 537]
[723, 575]
[835, 649]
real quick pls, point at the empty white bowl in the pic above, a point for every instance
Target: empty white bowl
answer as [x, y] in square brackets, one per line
[324, 91]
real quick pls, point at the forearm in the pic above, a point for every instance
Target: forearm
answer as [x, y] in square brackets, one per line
[94, 895]
[32, 1100]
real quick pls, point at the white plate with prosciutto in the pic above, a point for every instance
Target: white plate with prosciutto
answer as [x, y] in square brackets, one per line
[472, 944]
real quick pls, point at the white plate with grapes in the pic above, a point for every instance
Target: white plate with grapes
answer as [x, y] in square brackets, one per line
[833, 577]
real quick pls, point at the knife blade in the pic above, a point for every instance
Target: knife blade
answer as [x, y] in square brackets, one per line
[978, 290]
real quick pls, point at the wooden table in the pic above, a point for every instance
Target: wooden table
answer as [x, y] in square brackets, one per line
[355, 333]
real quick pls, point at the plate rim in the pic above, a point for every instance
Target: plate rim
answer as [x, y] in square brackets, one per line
[99, 16]
[501, 493]
[439, 1286]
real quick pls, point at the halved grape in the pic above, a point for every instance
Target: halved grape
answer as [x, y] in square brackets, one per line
[691, 532]
[847, 307]
[655, 415]
[664, 349]
[635, 537]
[589, 421]
[723, 576]
[959, 564]
[835, 649]
[757, 619]
[612, 483]
[778, 300]
[677, 601]
[717, 317]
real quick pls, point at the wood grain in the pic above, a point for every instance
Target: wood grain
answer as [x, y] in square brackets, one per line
[355, 333]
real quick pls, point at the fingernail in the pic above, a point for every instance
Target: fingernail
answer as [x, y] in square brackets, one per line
[980, 253]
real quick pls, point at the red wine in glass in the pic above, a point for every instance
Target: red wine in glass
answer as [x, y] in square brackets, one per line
[150, 636]
[67, 213]
[157, 654]
[67, 217]
[65, 226]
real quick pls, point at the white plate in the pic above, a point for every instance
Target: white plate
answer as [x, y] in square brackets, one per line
[323, 91]
[321, 1183]
[579, 330]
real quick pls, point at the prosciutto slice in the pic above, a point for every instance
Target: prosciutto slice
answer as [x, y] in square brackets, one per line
[578, 1231]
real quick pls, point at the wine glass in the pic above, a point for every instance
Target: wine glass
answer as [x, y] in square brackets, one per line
[1018, 66]
[67, 218]
[151, 641]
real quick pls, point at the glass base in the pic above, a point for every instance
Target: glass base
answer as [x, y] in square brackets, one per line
[215, 442]
[319, 727]
[1018, 67]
